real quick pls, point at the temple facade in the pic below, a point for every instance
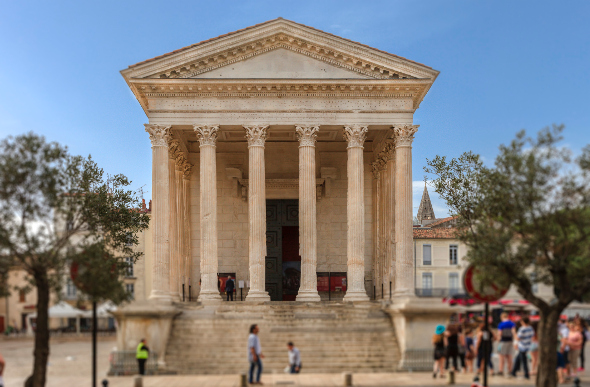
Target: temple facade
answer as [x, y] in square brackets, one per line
[281, 154]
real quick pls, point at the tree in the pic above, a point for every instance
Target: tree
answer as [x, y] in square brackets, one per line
[526, 219]
[53, 207]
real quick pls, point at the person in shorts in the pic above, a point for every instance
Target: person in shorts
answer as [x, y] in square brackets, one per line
[505, 336]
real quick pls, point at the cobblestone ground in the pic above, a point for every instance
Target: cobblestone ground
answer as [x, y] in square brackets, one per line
[69, 366]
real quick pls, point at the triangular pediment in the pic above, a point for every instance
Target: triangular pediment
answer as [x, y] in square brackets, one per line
[279, 49]
[284, 64]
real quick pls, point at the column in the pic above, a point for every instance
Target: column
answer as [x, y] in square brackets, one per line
[180, 160]
[159, 135]
[186, 188]
[207, 135]
[308, 289]
[173, 152]
[389, 211]
[404, 263]
[355, 248]
[377, 279]
[256, 136]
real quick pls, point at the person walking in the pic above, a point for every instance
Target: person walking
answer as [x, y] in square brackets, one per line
[505, 335]
[469, 350]
[438, 341]
[141, 354]
[574, 341]
[534, 350]
[452, 346]
[525, 336]
[294, 358]
[229, 288]
[255, 355]
[484, 344]
[585, 337]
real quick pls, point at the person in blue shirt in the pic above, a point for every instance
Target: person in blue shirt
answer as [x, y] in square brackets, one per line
[525, 337]
[505, 335]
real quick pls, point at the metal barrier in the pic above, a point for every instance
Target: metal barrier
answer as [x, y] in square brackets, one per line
[437, 292]
[417, 360]
[125, 363]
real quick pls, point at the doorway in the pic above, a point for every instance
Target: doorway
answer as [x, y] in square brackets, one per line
[283, 262]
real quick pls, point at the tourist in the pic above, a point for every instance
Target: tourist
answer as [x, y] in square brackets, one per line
[506, 333]
[439, 351]
[142, 354]
[452, 343]
[469, 350]
[294, 358]
[255, 355]
[524, 336]
[534, 350]
[585, 338]
[229, 288]
[461, 348]
[2, 364]
[484, 344]
[574, 341]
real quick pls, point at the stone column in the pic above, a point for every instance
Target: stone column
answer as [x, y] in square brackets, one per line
[389, 211]
[308, 289]
[173, 152]
[180, 160]
[377, 279]
[256, 136]
[404, 265]
[207, 135]
[159, 136]
[186, 188]
[355, 287]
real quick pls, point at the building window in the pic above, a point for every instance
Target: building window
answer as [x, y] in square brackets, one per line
[129, 239]
[426, 255]
[131, 290]
[70, 289]
[454, 283]
[427, 284]
[22, 296]
[453, 254]
[129, 261]
[534, 284]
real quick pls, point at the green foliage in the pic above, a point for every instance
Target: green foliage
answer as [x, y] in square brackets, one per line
[528, 213]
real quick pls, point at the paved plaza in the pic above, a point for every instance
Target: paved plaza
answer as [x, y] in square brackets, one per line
[70, 365]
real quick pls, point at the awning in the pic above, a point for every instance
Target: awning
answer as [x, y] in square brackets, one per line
[61, 310]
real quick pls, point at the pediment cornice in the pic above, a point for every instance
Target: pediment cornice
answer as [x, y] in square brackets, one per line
[307, 41]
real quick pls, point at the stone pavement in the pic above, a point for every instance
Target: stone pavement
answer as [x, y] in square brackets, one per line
[69, 366]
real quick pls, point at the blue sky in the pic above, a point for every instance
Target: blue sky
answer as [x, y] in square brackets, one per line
[505, 66]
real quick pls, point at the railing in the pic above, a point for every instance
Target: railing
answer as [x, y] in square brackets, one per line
[437, 292]
[418, 360]
[125, 363]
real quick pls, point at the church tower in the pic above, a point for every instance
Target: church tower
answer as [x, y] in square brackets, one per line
[425, 212]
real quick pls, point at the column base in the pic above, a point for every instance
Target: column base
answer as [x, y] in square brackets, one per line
[308, 296]
[208, 297]
[355, 296]
[159, 295]
[257, 296]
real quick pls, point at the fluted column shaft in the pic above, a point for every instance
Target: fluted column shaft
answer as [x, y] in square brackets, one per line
[308, 288]
[159, 136]
[377, 280]
[389, 261]
[256, 136]
[186, 188]
[355, 290]
[404, 263]
[180, 225]
[207, 135]
[172, 153]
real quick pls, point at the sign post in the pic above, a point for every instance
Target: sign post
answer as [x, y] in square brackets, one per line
[483, 292]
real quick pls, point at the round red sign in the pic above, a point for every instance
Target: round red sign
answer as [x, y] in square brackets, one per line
[477, 290]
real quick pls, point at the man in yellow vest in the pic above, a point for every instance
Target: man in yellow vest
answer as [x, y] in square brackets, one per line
[142, 355]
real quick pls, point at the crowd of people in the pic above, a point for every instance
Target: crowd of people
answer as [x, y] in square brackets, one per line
[460, 347]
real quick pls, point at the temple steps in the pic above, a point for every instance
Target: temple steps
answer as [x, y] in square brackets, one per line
[332, 337]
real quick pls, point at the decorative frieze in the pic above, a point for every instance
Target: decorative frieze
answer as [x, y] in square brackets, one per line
[207, 134]
[159, 134]
[256, 135]
[355, 135]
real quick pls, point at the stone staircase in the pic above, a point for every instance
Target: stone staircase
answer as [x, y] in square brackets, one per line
[332, 337]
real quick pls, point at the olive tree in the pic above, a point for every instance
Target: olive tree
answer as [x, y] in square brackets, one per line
[56, 208]
[526, 219]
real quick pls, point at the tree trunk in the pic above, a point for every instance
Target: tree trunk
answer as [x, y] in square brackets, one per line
[41, 352]
[547, 334]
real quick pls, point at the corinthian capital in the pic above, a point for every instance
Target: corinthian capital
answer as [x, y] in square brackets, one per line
[186, 169]
[307, 134]
[173, 148]
[256, 134]
[180, 160]
[355, 135]
[207, 134]
[159, 134]
[404, 134]
[389, 150]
